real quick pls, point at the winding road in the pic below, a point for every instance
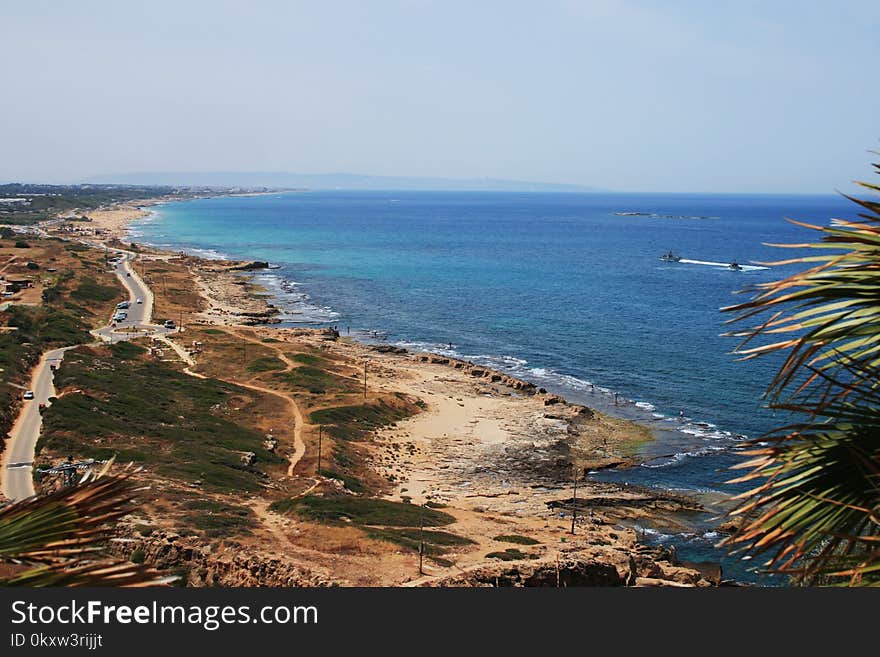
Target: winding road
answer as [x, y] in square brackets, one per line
[16, 466]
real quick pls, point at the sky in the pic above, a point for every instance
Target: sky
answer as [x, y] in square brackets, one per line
[629, 95]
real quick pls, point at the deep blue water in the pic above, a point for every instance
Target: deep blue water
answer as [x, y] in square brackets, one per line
[553, 287]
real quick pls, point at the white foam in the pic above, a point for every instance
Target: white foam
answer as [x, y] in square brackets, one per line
[295, 305]
[722, 265]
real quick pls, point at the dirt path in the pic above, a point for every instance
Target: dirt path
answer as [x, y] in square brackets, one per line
[8, 262]
[299, 446]
[298, 443]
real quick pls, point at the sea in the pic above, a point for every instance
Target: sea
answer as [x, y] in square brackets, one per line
[565, 290]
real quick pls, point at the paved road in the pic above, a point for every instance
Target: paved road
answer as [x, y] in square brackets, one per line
[19, 455]
[140, 315]
[18, 458]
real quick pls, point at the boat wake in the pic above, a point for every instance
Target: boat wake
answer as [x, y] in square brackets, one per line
[721, 265]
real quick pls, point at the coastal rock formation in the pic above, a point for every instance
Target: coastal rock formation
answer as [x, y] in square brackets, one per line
[479, 372]
[250, 266]
[389, 349]
[569, 572]
[204, 565]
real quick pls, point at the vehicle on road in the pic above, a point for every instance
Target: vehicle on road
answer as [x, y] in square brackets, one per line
[120, 316]
[169, 324]
[123, 305]
[28, 394]
[140, 301]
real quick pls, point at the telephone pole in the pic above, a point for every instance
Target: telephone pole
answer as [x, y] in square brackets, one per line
[320, 435]
[421, 538]
[574, 500]
[365, 381]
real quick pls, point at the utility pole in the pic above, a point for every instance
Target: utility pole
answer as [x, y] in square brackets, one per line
[244, 352]
[320, 435]
[574, 500]
[365, 381]
[421, 538]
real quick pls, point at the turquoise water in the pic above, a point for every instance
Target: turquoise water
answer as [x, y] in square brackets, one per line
[555, 288]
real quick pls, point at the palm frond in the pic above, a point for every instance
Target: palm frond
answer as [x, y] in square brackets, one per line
[60, 537]
[66, 523]
[814, 510]
[97, 573]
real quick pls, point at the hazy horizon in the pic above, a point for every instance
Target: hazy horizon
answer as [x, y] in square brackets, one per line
[617, 95]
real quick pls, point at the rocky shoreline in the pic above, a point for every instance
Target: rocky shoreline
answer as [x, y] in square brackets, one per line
[499, 452]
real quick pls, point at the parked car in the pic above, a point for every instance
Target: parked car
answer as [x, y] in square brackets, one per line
[140, 301]
[169, 324]
[28, 394]
[124, 304]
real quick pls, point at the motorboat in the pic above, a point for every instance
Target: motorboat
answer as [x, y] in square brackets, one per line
[670, 257]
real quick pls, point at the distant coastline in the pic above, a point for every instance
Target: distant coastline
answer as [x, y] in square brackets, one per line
[335, 181]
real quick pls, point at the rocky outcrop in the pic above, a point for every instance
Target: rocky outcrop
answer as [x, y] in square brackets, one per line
[203, 564]
[250, 266]
[479, 372]
[259, 318]
[570, 572]
[389, 349]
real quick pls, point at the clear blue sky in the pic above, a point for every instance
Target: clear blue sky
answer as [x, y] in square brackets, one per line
[772, 96]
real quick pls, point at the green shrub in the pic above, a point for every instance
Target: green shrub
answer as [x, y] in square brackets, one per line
[516, 538]
[266, 364]
[363, 510]
[510, 554]
[317, 381]
[90, 290]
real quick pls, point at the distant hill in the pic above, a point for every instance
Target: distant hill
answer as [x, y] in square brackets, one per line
[350, 181]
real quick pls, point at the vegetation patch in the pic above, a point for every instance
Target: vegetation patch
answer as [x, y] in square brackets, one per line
[48, 327]
[516, 538]
[363, 510]
[510, 554]
[217, 520]
[90, 290]
[356, 422]
[351, 483]
[435, 542]
[266, 364]
[306, 359]
[184, 427]
[316, 381]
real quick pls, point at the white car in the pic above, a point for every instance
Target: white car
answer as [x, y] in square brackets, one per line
[28, 394]
[140, 301]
